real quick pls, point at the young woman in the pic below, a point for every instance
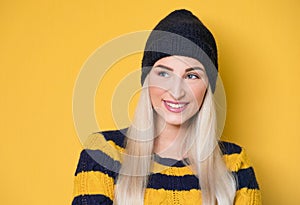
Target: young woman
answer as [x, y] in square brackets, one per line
[171, 153]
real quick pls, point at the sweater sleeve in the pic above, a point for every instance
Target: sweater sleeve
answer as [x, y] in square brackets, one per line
[96, 173]
[248, 192]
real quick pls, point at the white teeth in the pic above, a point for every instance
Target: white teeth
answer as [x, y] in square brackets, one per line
[175, 105]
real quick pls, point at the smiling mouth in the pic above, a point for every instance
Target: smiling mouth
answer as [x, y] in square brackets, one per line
[175, 106]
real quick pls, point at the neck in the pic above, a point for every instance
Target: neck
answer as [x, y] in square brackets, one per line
[169, 140]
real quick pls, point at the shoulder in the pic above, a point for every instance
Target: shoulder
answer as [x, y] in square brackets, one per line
[115, 136]
[235, 156]
[98, 139]
[228, 148]
[98, 167]
[102, 151]
[237, 161]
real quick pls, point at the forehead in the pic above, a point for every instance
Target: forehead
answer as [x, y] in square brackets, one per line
[177, 62]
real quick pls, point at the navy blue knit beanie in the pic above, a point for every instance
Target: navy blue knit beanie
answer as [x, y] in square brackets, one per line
[182, 33]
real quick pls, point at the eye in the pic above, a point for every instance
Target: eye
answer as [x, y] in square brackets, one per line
[163, 74]
[192, 76]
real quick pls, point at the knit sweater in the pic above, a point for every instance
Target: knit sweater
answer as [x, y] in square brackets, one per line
[171, 181]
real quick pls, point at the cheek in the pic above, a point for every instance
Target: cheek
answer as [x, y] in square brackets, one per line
[199, 94]
[155, 94]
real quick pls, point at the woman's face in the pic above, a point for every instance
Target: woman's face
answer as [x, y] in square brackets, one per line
[177, 86]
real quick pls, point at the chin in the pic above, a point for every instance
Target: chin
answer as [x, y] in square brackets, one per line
[175, 122]
[174, 119]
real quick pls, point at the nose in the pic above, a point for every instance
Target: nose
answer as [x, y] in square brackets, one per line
[177, 88]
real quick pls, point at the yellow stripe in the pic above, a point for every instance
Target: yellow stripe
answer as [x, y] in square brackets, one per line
[234, 162]
[248, 196]
[173, 171]
[112, 143]
[86, 183]
[97, 141]
[161, 196]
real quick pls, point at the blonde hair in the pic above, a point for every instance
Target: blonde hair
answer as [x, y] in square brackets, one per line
[204, 154]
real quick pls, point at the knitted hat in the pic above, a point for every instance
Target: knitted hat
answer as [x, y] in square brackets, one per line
[181, 33]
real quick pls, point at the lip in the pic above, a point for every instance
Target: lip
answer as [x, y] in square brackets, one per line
[175, 107]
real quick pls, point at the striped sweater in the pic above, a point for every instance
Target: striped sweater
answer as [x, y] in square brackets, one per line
[171, 181]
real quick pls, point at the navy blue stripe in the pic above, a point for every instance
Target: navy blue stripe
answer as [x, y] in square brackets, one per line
[92, 200]
[180, 183]
[96, 160]
[117, 136]
[229, 148]
[246, 178]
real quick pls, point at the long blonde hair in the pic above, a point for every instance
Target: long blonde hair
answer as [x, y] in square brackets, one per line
[216, 181]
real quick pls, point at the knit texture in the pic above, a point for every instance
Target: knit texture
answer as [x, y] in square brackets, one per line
[171, 181]
[182, 33]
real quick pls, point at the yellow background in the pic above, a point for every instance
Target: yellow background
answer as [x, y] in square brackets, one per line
[45, 43]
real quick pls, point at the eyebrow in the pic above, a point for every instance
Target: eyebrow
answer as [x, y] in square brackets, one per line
[186, 70]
